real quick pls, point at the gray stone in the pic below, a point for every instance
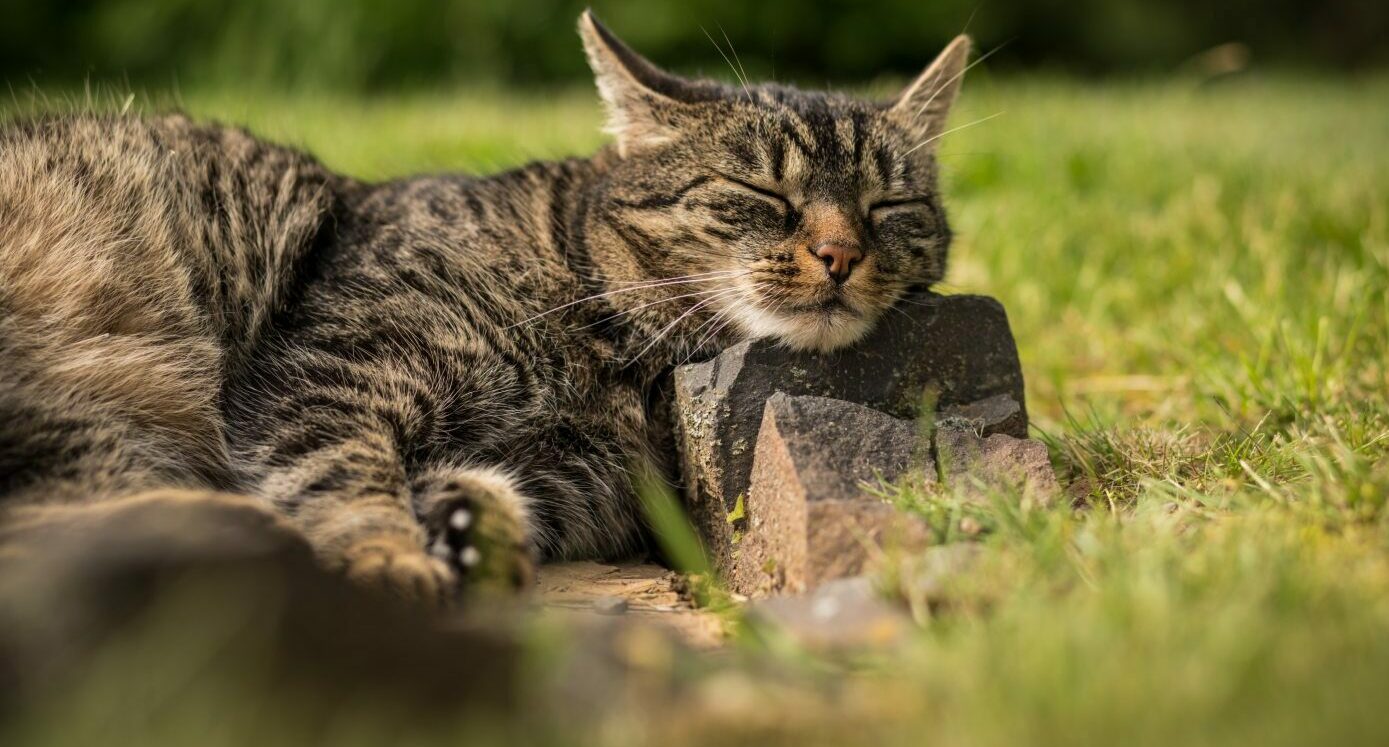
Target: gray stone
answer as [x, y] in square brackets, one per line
[810, 513]
[1000, 462]
[997, 414]
[847, 613]
[957, 348]
[837, 446]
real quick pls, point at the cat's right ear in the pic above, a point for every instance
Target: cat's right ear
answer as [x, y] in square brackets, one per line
[642, 100]
[923, 107]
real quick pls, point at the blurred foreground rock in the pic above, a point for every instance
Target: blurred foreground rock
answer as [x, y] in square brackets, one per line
[218, 577]
[781, 450]
[843, 614]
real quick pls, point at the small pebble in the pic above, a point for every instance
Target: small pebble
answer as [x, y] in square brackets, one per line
[610, 605]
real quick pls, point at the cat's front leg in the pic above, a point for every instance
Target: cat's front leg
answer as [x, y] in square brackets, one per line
[338, 474]
[476, 521]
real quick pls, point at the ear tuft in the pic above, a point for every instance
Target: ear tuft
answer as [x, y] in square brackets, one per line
[641, 113]
[925, 104]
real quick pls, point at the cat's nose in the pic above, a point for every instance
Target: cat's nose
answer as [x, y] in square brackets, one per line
[839, 259]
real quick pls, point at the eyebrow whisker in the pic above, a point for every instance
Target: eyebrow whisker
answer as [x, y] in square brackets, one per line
[742, 80]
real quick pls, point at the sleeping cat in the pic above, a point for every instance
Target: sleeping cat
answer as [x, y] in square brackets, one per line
[439, 381]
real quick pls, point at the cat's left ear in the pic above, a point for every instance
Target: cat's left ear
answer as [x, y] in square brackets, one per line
[924, 106]
[644, 103]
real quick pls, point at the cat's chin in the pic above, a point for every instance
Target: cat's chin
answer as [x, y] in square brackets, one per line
[816, 329]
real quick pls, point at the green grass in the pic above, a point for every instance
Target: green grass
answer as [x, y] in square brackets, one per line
[1198, 278]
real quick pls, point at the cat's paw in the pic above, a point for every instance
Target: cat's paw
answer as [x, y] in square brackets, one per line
[476, 523]
[399, 567]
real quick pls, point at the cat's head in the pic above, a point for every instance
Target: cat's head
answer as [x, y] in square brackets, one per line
[803, 216]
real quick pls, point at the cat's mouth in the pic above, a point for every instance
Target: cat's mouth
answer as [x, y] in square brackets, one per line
[827, 305]
[828, 322]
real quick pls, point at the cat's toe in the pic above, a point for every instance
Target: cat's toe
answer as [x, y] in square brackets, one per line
[477, 528]
[453, 541]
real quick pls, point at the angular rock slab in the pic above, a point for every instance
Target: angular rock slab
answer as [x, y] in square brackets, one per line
[808, 514]
[959, 347]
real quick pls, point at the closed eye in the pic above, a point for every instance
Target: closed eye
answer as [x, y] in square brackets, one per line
[884, 205]
[768, 194]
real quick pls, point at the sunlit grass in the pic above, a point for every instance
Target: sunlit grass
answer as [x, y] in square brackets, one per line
[1198, 279]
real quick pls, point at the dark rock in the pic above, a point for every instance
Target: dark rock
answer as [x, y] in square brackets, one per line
[809, 513]
[956, 348]
[85, 579]
[997, 414]
[847, 613]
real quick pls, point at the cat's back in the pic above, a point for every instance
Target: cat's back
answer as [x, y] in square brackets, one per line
[208, 219]
[140, 259]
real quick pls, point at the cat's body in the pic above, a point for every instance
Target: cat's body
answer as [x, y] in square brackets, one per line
[444, 376]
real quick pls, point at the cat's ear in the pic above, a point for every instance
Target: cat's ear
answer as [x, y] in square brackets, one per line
[925, 104]
[643, 102]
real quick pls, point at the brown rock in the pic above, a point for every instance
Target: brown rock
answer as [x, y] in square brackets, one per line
[957, 347]
[1001, 462]
[810, 514]
[838, 446]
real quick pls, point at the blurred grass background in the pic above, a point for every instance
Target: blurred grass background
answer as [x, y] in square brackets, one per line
[362, 45]
[1195, 264]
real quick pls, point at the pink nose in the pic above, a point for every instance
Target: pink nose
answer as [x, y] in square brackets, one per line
[839, 259]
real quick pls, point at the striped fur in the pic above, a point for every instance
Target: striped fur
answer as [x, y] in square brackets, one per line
[437, 379]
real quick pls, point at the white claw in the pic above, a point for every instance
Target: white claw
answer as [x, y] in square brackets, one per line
[439, 549]
[461, 519]
[469, 556]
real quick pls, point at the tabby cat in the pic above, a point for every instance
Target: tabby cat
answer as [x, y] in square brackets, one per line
[443, 380]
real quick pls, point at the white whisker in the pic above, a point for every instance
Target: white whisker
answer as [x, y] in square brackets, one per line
[743, 74]
[712, 320]
[652, 303]
[934, 138]
[666, 329]
[728, 317]
[942, 86]
[680, 277]
[736, 74]
[653, 284]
